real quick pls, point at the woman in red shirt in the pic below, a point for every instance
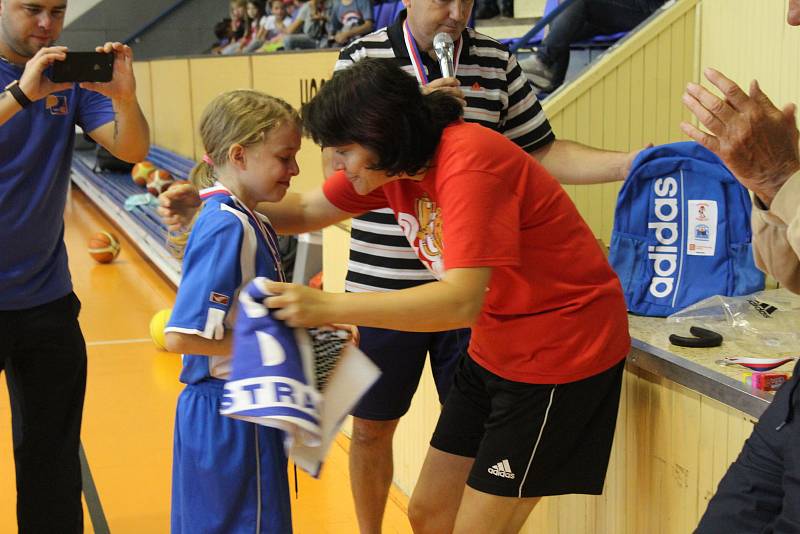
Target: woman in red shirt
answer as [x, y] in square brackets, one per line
[533, 406]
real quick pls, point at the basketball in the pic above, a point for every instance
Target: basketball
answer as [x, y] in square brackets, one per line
[157, 325]
[103, 247]
[158, 182]
[141, 171]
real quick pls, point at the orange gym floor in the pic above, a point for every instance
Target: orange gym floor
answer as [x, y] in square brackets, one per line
[130, 402]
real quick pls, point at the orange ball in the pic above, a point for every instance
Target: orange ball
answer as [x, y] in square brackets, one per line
[159, 181]
[103, 247]
[141, 171]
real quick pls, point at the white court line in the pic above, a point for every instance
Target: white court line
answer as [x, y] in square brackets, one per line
[119, 341]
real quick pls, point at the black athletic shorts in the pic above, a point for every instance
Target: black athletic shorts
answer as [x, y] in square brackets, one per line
[401, 358]
[531, 440]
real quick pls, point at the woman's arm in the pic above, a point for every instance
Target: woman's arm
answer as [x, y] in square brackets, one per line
[181, 343]
[298, 213]
[453, 302]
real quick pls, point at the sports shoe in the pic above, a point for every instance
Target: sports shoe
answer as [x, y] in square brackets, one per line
[540, 75]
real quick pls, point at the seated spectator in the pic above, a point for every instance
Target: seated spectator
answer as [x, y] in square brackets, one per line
[584, 19]
[238, 28]
[271, 29]
[312, 18]
[350, 19]
[255, 12]
[222, 30]
[292, 7]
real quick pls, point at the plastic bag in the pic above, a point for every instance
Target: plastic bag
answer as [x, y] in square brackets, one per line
[766, 318]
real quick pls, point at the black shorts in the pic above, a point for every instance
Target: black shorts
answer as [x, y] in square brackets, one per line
[401, 358]
[531, 440]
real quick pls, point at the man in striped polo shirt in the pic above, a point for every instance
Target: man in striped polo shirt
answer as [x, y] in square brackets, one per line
[496, 94]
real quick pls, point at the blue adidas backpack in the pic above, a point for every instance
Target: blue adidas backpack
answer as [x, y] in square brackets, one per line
[681, 231]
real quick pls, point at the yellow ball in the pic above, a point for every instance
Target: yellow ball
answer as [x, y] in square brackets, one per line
[157, 325]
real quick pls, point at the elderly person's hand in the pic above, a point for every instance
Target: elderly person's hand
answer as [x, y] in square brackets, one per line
[755, 139]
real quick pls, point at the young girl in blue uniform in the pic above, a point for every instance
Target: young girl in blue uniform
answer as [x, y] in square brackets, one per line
[229, 476]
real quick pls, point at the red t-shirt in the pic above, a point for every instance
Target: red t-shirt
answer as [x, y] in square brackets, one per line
[554, 310]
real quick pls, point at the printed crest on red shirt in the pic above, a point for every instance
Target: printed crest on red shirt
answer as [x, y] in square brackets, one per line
[424, 231]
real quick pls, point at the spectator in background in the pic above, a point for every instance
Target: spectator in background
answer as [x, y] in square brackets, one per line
[222, 30]
[584, 19]
[255, 12]
[350, 19]
[292, 7]
[271, 28]
[238, 26]
[313, 18]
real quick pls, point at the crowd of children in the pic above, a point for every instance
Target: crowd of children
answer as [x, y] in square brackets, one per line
[258, 26]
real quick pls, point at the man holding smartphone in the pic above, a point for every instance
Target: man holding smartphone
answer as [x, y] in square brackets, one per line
[43, 351]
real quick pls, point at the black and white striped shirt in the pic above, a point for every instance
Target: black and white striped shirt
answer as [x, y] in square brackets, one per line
[498, 96]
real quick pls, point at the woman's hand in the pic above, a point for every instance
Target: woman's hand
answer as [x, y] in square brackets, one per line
[300, 306]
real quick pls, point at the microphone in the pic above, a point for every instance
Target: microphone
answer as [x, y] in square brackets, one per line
[443, 46]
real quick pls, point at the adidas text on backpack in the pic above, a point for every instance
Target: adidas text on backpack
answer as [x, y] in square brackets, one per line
[681, 231]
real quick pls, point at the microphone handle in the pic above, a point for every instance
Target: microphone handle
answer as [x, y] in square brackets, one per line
[446, 64]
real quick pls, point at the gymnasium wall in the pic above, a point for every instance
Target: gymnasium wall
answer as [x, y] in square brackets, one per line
[748, 40]
[174, 93]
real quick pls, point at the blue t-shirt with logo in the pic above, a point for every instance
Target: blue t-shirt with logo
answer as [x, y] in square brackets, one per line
[35, 158]
[229, 246]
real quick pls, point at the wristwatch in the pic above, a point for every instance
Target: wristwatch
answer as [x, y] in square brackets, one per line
[21, 98]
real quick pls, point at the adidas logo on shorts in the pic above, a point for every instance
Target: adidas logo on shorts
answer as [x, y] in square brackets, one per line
[501, 469]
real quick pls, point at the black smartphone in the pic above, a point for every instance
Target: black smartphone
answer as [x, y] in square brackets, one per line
[84, 67]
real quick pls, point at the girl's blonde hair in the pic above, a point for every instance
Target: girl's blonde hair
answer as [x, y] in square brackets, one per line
[243, 117]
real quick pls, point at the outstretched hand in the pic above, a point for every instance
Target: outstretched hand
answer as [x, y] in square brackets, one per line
[756, 140]
[178, 206]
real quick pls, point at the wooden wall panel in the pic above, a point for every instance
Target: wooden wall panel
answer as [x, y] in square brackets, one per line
[211, 76]
[144, 90]
[296, 77]
[172, 125]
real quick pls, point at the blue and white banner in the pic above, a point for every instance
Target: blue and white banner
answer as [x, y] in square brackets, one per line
[275, 380]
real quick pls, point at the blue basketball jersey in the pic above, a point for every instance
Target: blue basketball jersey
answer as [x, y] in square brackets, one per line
[229, 245]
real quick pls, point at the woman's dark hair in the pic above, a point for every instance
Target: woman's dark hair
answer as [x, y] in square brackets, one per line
[376, 104]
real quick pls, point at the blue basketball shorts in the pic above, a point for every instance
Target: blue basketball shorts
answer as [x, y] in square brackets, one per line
[228, 476]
